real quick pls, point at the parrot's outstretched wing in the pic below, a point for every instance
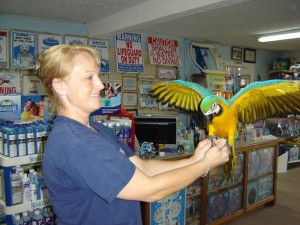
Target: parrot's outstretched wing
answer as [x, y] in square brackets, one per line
[260, 100]
[182, 94]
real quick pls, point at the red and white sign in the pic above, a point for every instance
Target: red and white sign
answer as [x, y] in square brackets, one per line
[164, 51]
[9, 83]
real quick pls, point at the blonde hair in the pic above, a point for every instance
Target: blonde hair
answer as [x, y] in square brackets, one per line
[56, 62]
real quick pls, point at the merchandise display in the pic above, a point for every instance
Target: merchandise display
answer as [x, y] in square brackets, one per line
[252, 193]
[235, 199]
[217, 206]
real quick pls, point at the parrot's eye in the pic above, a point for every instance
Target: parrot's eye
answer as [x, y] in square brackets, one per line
[214, 109]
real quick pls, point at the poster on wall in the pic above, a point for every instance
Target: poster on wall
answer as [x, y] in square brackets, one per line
[75, 40]
[9, 83]
[170, 210]
[102, 47]
[32, 85]
[164, 51]
[46, 41]
[3, 49]
[129, 53]
[111, 97]
[23, 49]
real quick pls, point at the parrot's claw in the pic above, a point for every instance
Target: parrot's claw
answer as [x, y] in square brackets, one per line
[228, 148]
[211, 139]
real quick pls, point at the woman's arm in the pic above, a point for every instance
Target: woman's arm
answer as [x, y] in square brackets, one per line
[154, 179]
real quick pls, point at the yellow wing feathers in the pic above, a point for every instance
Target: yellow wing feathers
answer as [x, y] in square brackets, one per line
[174, 94]
[267, 101]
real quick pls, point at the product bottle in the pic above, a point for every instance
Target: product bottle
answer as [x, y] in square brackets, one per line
[1, 136]
[17, 220]
[21, 140]
[127, 134]
[38, 132]
[26, 218]
[30, 140]
[37, 218]
[48, 216]
[10, 149]
[119, 131]
[16, 188]
[26, 188]
[33, 192]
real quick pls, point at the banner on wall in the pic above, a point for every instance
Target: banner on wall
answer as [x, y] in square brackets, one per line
[129, 53]
[3, 49]
[9, 83]
[111, 97]
[164, 51]
[23, 49]
[75, 40]
[103, 48]
[46, 41]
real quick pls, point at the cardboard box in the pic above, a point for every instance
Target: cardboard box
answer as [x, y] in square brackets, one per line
[282, 163]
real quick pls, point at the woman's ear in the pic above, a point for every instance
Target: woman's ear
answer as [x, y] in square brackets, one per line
[58, 86]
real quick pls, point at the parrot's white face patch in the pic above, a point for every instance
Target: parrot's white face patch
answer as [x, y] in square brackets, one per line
[214, 109]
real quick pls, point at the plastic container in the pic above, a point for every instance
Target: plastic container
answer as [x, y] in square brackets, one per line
[119, 131]
[30, 139]
[127, 134]
[48, 216]
[10, 147]
[37, 218]
[33, 192]
[16, 188]
[26, 188]
[21, 140]
[17, 220]
[38, 132]
[26, 218]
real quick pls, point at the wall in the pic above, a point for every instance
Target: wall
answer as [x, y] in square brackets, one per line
[263, 58]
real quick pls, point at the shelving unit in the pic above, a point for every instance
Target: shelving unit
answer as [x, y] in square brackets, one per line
[217, 201]
[6, 206]
[284, 74]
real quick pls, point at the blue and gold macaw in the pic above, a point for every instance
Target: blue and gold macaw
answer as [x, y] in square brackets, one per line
[258, 100]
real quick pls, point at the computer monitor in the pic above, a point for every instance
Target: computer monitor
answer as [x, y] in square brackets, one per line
[156, 129]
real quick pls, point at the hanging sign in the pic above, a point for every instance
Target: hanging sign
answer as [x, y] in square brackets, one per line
[164, 51]
[3, 49]
[23, 49]
[46, 41]
[32, 85]
[103, 48]
[9, 83]
[129, 53]
[75, 40]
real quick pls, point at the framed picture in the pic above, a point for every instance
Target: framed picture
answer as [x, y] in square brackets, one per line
[129, 99]
[167, 73]
[236, 53]
[244, 80]
[129, 83]
[249, 55]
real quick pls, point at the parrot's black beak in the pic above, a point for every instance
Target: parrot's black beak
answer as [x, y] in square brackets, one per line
[210, 117]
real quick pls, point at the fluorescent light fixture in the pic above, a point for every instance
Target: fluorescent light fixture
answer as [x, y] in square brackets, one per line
[280, 36]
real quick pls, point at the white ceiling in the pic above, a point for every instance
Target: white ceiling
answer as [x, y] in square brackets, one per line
[232, 22]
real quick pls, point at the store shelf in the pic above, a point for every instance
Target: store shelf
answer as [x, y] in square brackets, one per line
[22, 160]
[10, 210]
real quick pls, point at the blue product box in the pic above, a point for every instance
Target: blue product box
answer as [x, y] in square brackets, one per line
[252, 193]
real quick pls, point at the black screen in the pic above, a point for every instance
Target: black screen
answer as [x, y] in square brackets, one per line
[159, 130]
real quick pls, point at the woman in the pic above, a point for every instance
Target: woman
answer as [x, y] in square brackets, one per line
[92, 177]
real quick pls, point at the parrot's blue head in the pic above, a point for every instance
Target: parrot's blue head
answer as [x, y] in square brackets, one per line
[210, 107]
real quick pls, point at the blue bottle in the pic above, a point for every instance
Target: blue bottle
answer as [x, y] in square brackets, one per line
[127, 134]
[10, 148]
[38, 132]
[48, 216]
[37, 218]
[17, 220]
[26, 218]
[30, 139]
[21, 140]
